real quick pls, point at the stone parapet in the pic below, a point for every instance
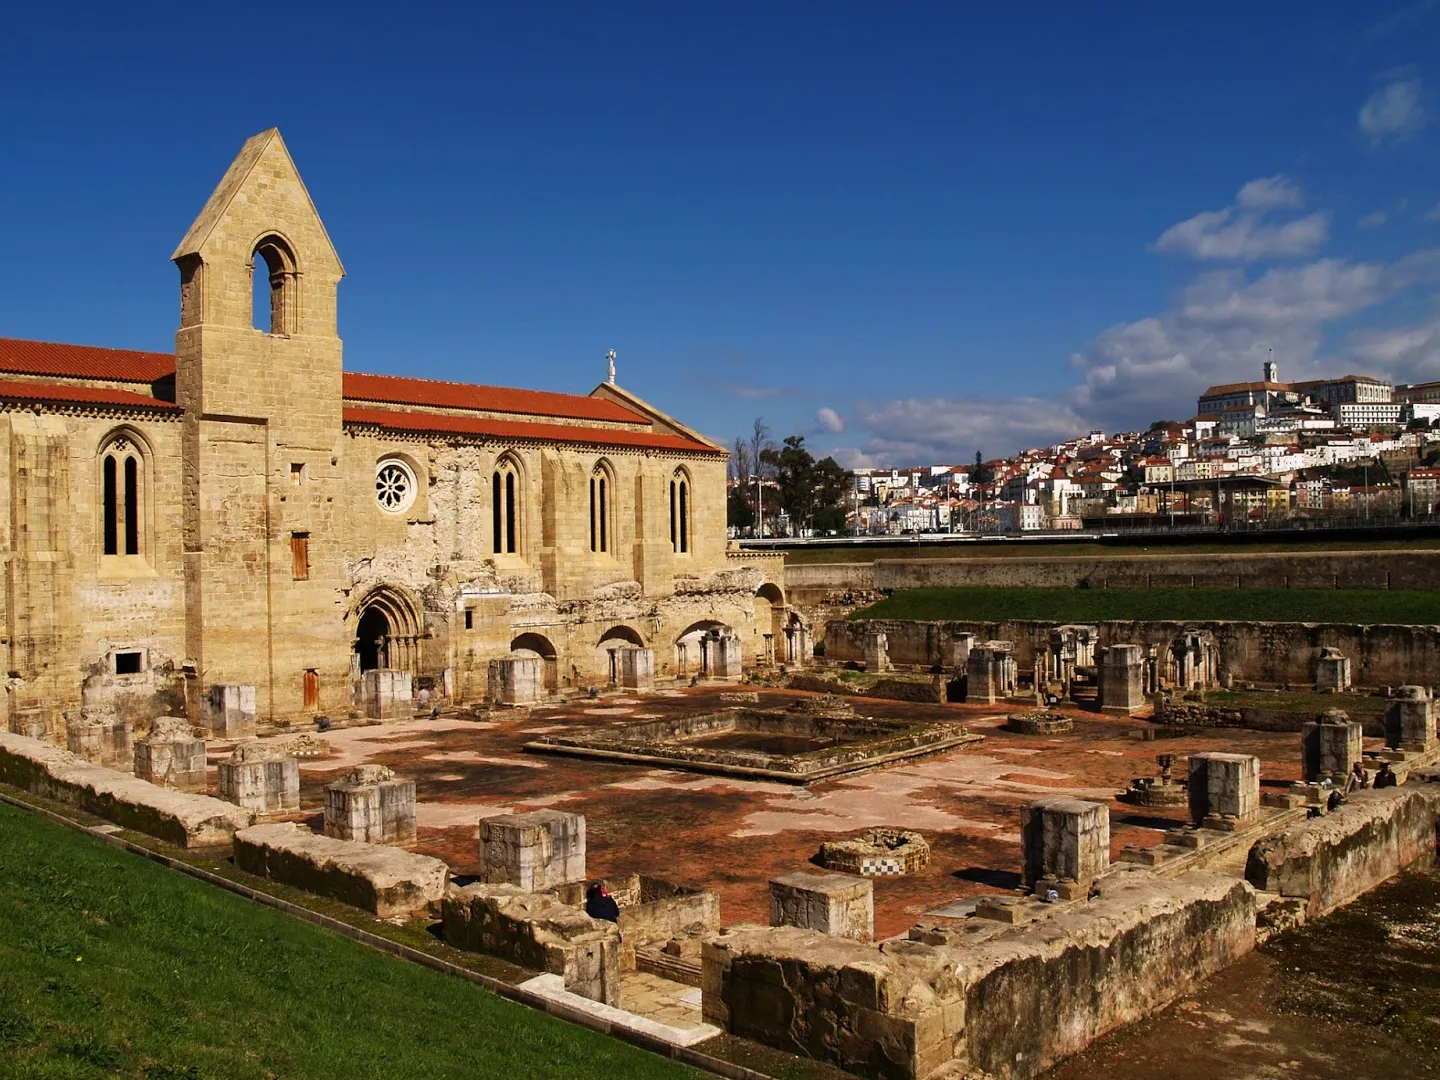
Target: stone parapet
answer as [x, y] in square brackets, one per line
[537, 931]
[176, 817]
[1330, 860]
[386, 881]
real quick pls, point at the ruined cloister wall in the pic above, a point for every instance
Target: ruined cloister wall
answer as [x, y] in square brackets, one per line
[1382, 655]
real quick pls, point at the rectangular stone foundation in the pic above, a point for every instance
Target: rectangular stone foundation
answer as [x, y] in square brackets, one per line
[1224, 790]
[1065, 844]
[386, 694]
[176, 817]
[539, 932]
[386, 881]
[269, 785]
[109, 743]
[379, 811]
[835, 904]
[533, 851]
[229, 710]
[179, 764]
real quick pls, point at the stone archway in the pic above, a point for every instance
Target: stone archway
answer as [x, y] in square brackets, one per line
[769, 623]
[387, 632]
[616, 638]
[533, 644]
[695, 648]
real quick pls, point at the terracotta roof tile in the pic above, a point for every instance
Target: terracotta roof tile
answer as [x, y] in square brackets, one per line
[83, 361]
[15, 390]
[518, 429]
[396, 390]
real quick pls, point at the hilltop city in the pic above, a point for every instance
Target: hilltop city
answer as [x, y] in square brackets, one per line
[1254, 454]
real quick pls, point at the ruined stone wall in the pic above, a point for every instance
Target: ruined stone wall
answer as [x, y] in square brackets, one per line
[1387, 569]
[1382, 655]
[1329, 861]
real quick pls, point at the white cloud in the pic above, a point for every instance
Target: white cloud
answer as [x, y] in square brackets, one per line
[1240, 232]
[952, 429]
[1405, 353]
[1373, 220]
[1394, 111]
[829, 420]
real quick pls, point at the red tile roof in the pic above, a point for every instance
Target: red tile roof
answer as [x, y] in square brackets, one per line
[83, 361]
[15, 390]
[396, 390]
[519, 429]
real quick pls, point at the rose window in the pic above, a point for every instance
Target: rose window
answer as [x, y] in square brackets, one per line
[394, 486]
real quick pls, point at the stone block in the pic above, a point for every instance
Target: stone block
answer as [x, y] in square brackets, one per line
[877, 652]
[538, 850]
[109, 743]
[1122, 678]
[388, 882]
[1064, 841]
[517, 680]
[1410, 720]
[1332, 670]
[1330, 746]
[959, 647]
[387, 694]
[834, 904]
[539, 932]
[635, 668]
[229, 710]
[171, 756]
[370, 804]
[1224, 790]
[799, 646]
[260, 778]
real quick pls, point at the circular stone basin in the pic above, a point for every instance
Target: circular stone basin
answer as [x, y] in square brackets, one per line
[1152, 791]
[1040, 722]
[877, 853]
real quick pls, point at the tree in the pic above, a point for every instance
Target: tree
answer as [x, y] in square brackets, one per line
[982, 474]
[738, 511]
[808, 487]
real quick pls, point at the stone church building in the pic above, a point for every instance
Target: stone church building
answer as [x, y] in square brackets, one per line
[246, 512]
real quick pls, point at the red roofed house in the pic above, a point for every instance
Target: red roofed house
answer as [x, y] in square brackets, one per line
[246, 513]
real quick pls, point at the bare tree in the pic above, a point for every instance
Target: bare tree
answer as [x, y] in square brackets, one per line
[760, 442]
[740, 461]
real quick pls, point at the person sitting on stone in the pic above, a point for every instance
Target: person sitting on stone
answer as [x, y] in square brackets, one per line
[1336, 798]
[1359, 778]
[599, 904]
[1386, 777]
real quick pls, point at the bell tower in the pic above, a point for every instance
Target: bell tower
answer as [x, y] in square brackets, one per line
[262, 439]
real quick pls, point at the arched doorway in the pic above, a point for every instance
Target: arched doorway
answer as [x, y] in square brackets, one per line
[531, 644]
[769, 622]
[616, 638]
[692, 651]
[387, 632]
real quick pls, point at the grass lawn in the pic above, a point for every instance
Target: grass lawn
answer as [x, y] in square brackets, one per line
[1037, 549]
[1310, 705]
[1095, 605]
[113, 966]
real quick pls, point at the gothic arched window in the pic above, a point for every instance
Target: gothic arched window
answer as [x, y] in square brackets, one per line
[505, 506]
[122, 507]
[680, 512]
[602, 490]
[276, 288]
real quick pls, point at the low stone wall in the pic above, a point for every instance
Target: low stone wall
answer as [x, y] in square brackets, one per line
[929, 693]
[651, 910]
[388, 882]
[1200, 714]
[176, 817]
[537, 931]
[1265, 652]
[1012, 1004]
[1329, 861]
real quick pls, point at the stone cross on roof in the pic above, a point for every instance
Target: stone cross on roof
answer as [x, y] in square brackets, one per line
[610, 357]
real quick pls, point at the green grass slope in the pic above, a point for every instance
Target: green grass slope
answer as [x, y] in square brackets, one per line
[112, 966]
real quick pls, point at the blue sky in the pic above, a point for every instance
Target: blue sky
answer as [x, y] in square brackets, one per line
[907, 232]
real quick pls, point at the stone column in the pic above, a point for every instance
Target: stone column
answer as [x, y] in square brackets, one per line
[725, 656]
[799, 648]
[835, 904]
[171, 756]
[1410, 720]
[1224, 790]
[636, 668]
[990, 672]
[1122, 686]
[260, 778]
[1064, 844]
[1332, 671]
[369, 804]
[535, 851]
[229, 710]
[1330, 746]
[517, 680]
[877, 652]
